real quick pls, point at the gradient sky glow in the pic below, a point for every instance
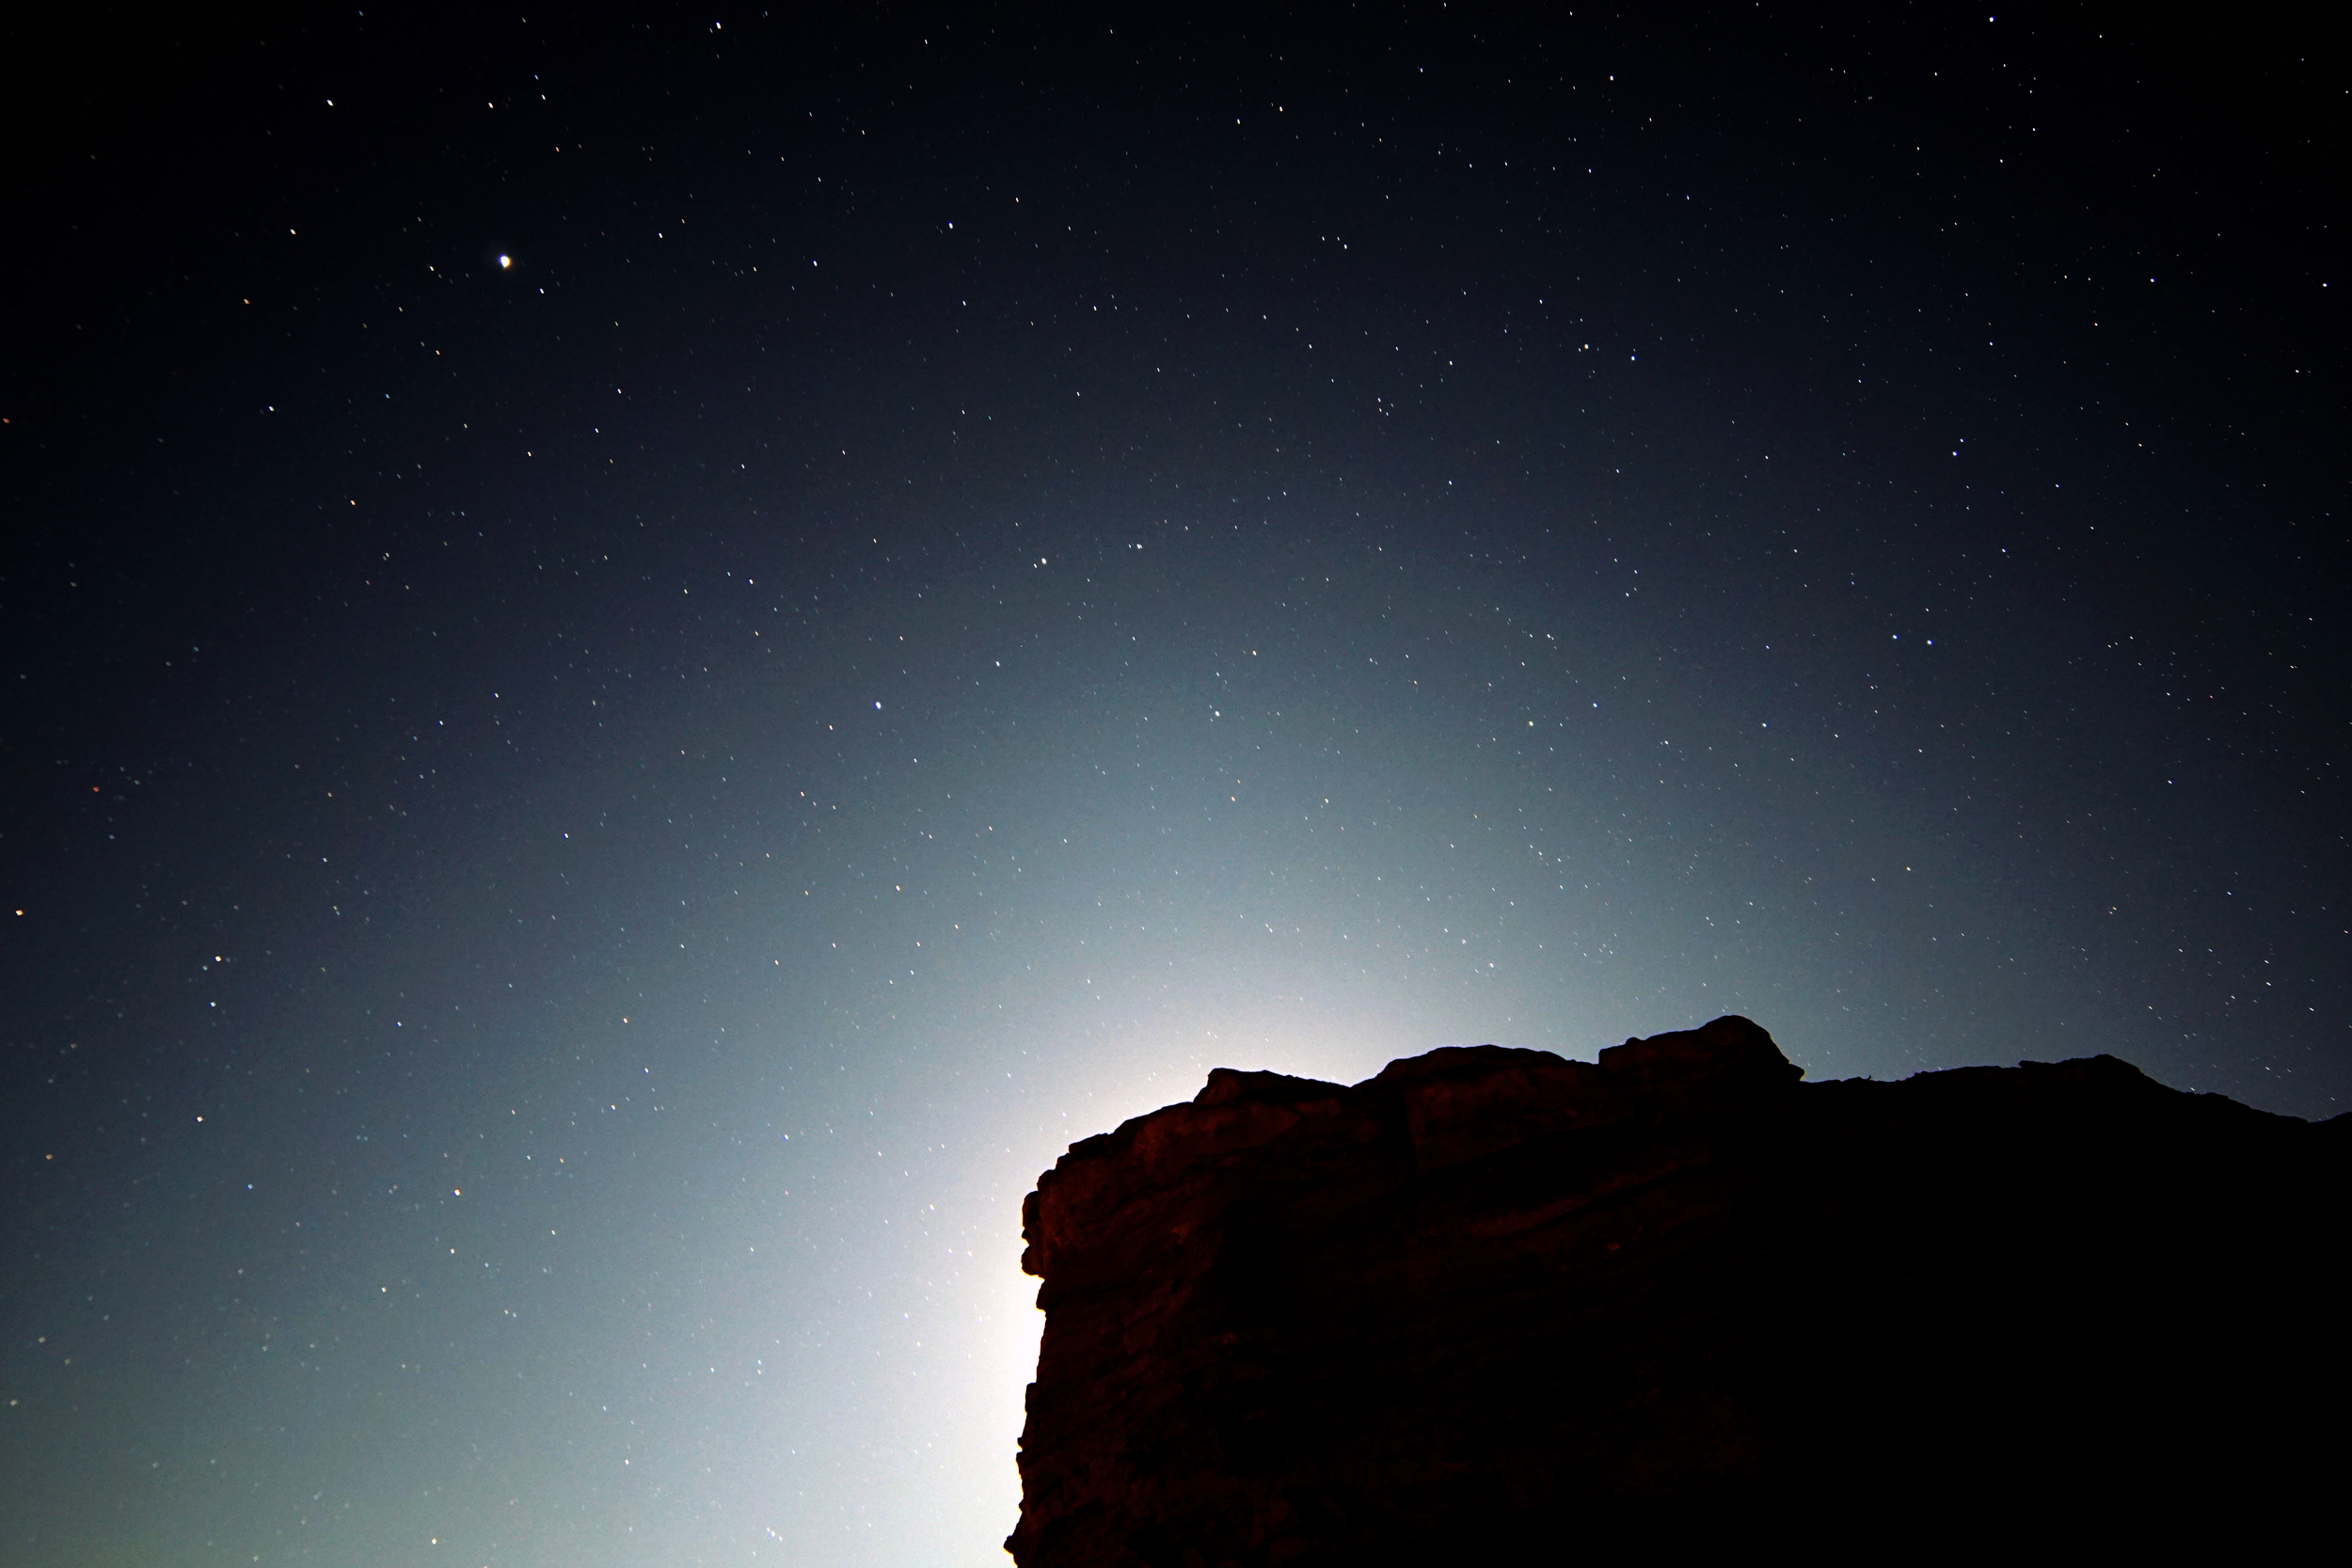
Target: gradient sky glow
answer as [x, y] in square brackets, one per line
[646, 664]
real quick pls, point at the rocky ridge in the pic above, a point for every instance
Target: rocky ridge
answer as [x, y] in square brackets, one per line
[1492, 1304]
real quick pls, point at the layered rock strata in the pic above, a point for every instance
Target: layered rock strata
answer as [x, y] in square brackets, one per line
[1495, 1306]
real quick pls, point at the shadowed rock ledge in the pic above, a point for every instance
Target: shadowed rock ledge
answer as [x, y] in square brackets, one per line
[1495, 1306]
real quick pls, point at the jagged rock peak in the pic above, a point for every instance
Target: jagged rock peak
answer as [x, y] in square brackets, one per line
[1431, 1316]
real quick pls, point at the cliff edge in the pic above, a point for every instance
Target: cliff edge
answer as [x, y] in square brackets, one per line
[1496, 1305]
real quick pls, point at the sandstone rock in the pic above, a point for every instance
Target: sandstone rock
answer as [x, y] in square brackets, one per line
[1495, 1306]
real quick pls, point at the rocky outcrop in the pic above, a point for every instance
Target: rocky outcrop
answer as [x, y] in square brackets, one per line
[1495, 1306]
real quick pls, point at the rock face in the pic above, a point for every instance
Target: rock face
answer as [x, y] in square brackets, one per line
[1495, 1306]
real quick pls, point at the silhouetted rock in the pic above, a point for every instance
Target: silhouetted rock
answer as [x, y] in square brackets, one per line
[1496, 1307]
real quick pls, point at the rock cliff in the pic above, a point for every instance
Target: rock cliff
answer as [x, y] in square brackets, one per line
[1495, 1306]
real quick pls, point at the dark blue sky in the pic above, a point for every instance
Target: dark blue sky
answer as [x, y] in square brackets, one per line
[580, 826]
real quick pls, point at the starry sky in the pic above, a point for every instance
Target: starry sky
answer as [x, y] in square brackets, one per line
[646, 661]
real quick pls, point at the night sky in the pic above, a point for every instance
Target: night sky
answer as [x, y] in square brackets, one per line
[646, 662]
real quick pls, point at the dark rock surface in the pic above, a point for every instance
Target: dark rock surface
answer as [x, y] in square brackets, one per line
[1494, 1306]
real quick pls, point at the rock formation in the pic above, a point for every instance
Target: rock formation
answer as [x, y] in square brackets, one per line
[1492, 1306]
